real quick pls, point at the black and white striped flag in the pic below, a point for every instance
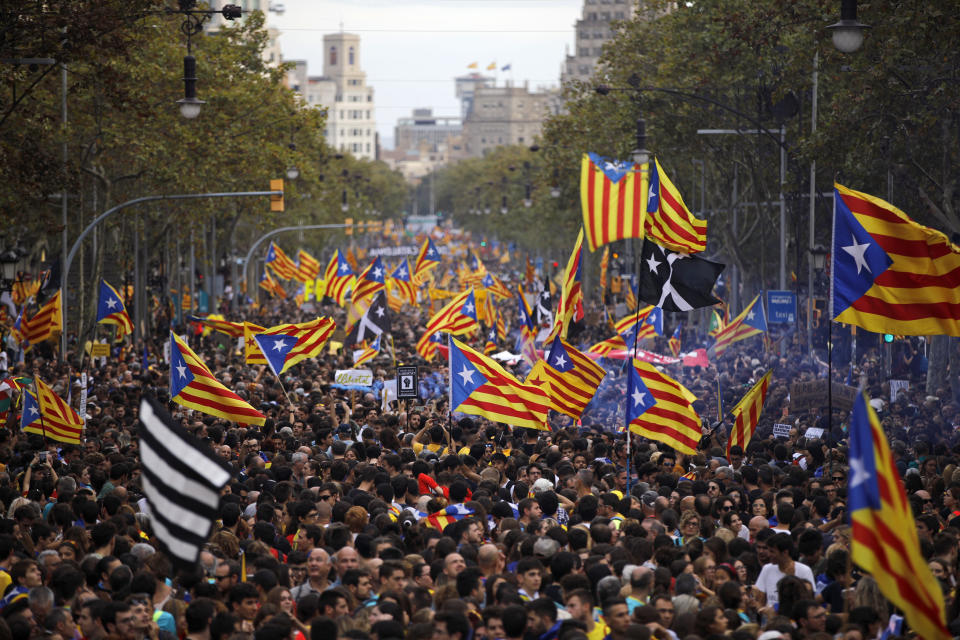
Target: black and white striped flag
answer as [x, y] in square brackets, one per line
[182, 479]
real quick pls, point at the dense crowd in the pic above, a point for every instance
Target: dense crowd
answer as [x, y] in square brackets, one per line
[324, 531]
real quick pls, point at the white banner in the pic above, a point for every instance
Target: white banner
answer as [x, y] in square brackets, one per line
[358, 377]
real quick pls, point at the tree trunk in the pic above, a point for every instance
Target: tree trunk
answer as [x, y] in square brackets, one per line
[938, 362]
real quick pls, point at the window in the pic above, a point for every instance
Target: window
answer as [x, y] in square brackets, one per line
[368, 114]
[350, 57]
[341, 114]
[368, 147]
[520, 140]
[333, 56]
[369, 97]
[583, 52]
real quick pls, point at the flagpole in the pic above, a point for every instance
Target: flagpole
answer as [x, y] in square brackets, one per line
[43, 426]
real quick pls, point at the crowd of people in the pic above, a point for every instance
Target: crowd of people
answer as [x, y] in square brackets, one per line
[325, 530]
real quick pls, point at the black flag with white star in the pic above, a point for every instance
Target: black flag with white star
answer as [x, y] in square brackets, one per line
[375, 321]
[544, 304]
[676, 281]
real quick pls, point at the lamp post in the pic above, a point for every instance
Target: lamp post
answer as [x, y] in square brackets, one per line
[192, 25]
[778, 136]
[818, 260]
[847, 35]
[8, 266]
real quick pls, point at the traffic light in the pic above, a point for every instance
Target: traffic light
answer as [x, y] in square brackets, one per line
[276, 202]
[348, 229]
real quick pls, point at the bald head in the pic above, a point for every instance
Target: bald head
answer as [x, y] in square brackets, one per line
[757, 524]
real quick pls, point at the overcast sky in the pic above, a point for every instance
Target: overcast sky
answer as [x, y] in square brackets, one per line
[412, 49]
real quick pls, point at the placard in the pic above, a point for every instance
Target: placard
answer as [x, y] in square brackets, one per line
[896, 386]
[781, 430]
[813, 433]
[408, 383]
[354, 377]
[813, 395]
[99, 350]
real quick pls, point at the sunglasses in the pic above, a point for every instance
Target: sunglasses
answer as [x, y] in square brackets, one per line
[327, 497]
[838, 478]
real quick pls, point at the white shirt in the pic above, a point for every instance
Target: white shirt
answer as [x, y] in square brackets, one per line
[770, 575]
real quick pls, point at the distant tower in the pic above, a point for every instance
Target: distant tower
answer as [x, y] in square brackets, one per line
[351, 119]
[592, 30]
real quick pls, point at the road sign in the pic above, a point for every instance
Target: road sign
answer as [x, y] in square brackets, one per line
[408, 384]
[781, 306]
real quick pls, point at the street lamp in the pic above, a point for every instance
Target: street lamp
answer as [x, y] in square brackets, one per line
[848, 33]
[292, 172]
[189, 104]
[819, 255]
[192, 24]
[8, 265]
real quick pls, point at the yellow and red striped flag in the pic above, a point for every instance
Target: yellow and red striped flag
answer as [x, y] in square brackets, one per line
[24, 288]
[287, 344]
[448, 515]
[494, 285]
[604, 347]
[274, 288]
[401, 280]
[232, 329]
[308, 267]
[251, 352]
[110, 310]
[457, 317]
[890, 274]
[192, 385]
[669, 221]
[569, 377]
[368, 352]
[612, 195]
[660, 408]
[58, 421]
[45, 324]
[339, 278]
[885, 541]
[481, 387]
[570, 305]
[747, 413]
[751, 321]
[280, 263]
[370, 281]
[427, 259]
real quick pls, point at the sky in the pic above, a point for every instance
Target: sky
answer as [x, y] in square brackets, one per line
[412, 49]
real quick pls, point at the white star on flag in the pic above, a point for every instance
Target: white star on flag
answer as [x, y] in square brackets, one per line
[377, 272]
[560, 361]
[344, 267]
[402, 272]
[750, 315]
[111, 303]
[468, 308]
[466, 374]
[379, 312]
[653, 263]
[279, 345]
[33, 411]
[639, 398]
[182, 371]
[858, 251]
[858, 471]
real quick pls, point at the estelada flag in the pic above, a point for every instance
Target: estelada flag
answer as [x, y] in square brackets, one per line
[612, 196]
[890, 274]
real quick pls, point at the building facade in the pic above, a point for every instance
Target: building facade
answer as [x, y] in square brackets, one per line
[505, 115]
[343, 91]
[592, 30]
